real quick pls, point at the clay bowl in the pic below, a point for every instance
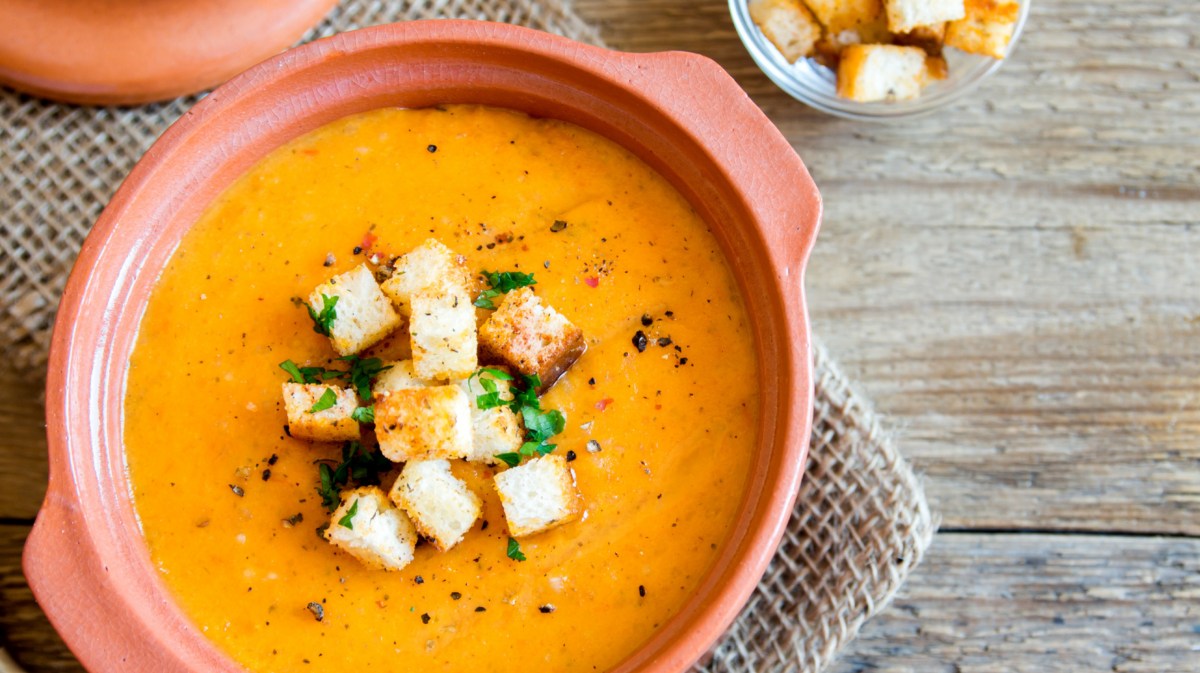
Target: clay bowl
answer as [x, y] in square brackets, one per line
[86, 559]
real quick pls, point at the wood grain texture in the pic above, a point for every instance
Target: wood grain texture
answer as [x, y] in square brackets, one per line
[979, 604]
[22, 447]
[1015, 280]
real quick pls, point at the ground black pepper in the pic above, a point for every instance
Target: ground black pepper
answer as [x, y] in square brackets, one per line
[640, 341]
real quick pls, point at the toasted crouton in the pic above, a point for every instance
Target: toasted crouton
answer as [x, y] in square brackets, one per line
[530, 337]
[495, 430]
[424, 424]
[881, 72]
[905, 15]
[399, 376]
[371, 529]
[788, 25]
[439, 504]
[428, 266]
[444, 340]
[538, 495]
[829, 48]
[333, 424]
[362, 315]
[986, 29]
[841, 15]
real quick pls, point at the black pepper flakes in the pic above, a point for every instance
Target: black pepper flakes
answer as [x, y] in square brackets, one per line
[558, 226]
[266, 475]
[664, 341]
[317, 610]
[273, 459]
[425, 618]
[419, 580]
[570, 456]
[455, 595]
[480, 609]
[647, 320]
[484, 526]
[358, 249]
[431, 149]
[546, 609]
[237, 490]
[592, 381]
[640, 341]
[683, 361]
[642, 590]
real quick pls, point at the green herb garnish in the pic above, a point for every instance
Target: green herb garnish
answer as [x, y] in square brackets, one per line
[308, 374]
[514, 550]
[512, 459]
[363, 372]
[323, 320]
[348, 520]
[358, 465]
[502, 282]
[540, 425]
[328, 399]
[364, 415]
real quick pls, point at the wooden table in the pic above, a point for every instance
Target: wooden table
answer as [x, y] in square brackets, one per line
[1015, 281]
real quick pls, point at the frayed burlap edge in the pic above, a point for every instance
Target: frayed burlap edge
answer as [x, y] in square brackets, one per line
[861, 522]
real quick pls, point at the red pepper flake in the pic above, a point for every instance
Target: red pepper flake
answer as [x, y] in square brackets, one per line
[368, 240]
[592, 281]
[603, 404]
[310, 152]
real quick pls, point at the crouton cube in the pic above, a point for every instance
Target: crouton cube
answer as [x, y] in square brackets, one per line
[905, 15]
[881, 72]
[986, 29]
[399, 376]
[428, 266]
[531, 338]
[439, 504]
[361, 317]
[444, 340]
[495, 430]
[424, 424]
[371, 529]
[788, 25]
[538, 495]
[840, 15]
[331, 424]
[829, 47]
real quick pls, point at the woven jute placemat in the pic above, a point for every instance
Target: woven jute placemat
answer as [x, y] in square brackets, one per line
[860, 525]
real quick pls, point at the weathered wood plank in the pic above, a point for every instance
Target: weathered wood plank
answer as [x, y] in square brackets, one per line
[1015, 280]
[22, 447]
[979, 603]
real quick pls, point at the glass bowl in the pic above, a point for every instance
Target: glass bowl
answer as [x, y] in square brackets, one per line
[816, 85]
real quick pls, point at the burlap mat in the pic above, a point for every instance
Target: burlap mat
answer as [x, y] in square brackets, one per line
[861, 522]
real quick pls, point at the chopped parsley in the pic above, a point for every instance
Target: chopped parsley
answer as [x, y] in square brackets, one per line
[348, 520]
[308, 374]
[323, 319]
[540, 425]
[514, 550]
[328, 399]
[363, 372]
[502, 282]
[358, 465]
[364, 415]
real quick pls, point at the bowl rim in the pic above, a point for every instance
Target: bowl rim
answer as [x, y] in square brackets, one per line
[83, 530]
[784, 78]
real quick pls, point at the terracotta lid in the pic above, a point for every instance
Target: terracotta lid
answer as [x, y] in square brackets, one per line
[138, 51]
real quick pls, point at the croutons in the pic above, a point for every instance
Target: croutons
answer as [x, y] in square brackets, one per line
[495, 430]
[361, 316]
[428, 266]
[986, 29]
[538, 495]
[530, 337]
[371, 529]
[881, 72]
[929, 38]
[439, 504]
[788, 25]
[423, 424]
[330, 424]
[399, 376]
[841, 15]
[442, 329]
[905, 15]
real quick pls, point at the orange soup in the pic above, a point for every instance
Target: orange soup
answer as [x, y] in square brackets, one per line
[661, 410]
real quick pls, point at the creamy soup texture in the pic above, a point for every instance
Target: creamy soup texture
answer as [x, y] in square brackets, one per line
[227, 501]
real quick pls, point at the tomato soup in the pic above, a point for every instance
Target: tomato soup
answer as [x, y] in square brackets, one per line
[662, 410]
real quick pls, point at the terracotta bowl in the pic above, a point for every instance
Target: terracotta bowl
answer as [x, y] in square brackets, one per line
[86, 558]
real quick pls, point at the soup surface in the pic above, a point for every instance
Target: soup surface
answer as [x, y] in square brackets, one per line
[228, 502]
